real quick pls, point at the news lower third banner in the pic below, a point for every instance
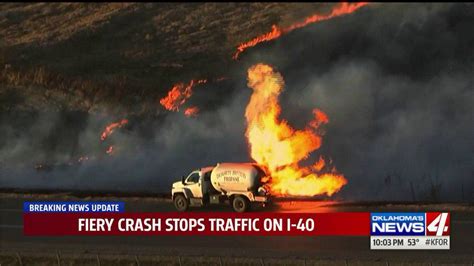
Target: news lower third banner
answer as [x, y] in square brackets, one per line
[420, 230]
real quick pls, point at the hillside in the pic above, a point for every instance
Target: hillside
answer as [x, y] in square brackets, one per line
[121, 58]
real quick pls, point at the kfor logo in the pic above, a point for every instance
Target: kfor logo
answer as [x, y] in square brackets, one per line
[437, 224]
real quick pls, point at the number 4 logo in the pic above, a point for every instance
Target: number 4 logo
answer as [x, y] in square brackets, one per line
[437, 224]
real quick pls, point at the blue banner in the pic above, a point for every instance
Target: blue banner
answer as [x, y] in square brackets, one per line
[397, 224]
[74, 206]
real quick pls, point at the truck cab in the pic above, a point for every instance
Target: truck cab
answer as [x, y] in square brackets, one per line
[193, 189]
[202, 187]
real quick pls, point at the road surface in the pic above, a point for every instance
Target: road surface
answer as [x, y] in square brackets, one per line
[321, 247]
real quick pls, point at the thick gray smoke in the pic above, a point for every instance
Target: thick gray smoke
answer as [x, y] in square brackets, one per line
[147, 157]
[397, 84]
[395, 80]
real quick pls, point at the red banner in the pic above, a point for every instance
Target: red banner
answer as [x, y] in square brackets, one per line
[350, 224]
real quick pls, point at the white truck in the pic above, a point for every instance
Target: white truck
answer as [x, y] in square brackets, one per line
[237, 183]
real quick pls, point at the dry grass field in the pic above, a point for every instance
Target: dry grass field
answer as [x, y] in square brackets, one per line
[122, 57]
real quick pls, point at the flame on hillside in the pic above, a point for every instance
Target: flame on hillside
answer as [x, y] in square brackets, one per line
[179, 94]
[109, 129]
[191, 111]
[276, 32]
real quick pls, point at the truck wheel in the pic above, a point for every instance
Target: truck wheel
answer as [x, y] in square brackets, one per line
[240, 204]
[181, 203]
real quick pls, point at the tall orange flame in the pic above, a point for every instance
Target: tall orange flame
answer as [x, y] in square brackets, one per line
[275, 145]
[110, 128]
[178, 95]
[339, 10]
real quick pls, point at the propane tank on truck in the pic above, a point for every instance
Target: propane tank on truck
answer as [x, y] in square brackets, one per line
[240, 184]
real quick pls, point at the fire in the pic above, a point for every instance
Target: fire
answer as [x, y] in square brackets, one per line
[191, 111]
[273, 34]
[178, 94]
[319, 165]
[110, 128]
[319, 118]
[109, 150]
[276, 32]
[278, 147]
